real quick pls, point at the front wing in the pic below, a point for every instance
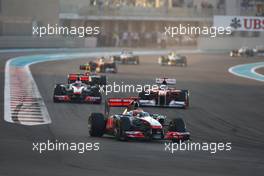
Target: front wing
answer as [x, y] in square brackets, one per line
[172, 103]
[86, 99]
[170, 135]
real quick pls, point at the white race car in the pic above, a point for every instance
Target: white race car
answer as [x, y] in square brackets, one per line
[173, 59]
[244, 51]
[77, 92]
[126, 57]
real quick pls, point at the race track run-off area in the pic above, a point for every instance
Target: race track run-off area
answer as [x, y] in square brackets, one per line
[23, 102]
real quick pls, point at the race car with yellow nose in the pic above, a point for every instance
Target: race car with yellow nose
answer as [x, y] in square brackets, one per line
[135, 123]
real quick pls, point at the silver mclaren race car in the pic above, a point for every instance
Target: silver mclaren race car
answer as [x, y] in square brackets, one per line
[126, 57]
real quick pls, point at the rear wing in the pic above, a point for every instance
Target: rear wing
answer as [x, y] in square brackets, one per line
[85, 67]
[119, 102]
[171, 81]
[78, 77]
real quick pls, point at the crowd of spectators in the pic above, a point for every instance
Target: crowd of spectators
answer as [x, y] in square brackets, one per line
[249, 6]
[205, 4]
[144, 39]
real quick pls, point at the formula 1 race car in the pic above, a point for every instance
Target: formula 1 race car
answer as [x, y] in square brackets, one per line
[87, 78]
[100, 65]
[165, 96]
[173, 60]
[244, 52]
[126, 57]
[77, 92]
[259, 50]
[134, 123]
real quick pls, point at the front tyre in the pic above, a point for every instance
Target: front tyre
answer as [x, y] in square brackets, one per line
[96, 125]
[137, 61]
[122, 125]
[103, 80]
[177, 125]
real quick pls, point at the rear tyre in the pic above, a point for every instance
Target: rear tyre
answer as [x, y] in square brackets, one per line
[176, 125]
[55, 100]
[101, 69]
[162, 60]
[115, 67]
[187, 102]
[96, 124]
[185, 63]
[137, 61]
[103, 80]
[142, 95]
[58, 90]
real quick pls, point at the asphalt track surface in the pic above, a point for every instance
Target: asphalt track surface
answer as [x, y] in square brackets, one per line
[260, 71]
[224, 108]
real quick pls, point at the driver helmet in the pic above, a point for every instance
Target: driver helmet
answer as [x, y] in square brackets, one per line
[172, 53]
[137, 112]
[102, 59]
[78, 81]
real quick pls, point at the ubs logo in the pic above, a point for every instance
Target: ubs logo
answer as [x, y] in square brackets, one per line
[235, 23]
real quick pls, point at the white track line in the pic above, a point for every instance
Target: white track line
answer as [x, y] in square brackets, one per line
[28, 97]
[252, 70]
[7, 113]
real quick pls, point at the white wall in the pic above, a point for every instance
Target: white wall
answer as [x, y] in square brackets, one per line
[52, 42]
[228, 43]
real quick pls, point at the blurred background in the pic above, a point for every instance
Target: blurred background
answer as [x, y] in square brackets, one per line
[124, 23]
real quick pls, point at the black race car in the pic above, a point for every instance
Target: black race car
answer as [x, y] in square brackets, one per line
[126, 57]
[165, 96]
[134, 123]
[77, 92]
[173, 59]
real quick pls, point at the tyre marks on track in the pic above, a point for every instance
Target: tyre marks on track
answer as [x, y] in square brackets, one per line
[23, 102]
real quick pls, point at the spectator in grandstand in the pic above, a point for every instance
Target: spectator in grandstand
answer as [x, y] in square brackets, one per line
[125, 38]
[116, 39]
[134, 39]
[147, 37]
[206, 5]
